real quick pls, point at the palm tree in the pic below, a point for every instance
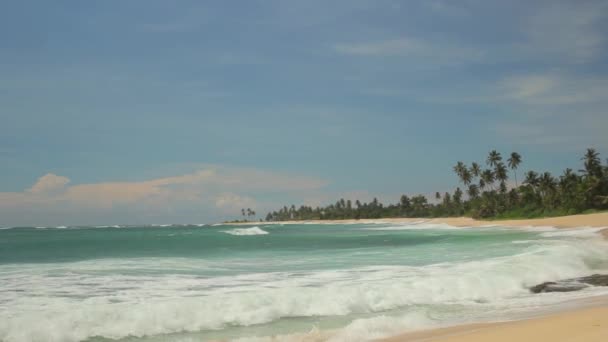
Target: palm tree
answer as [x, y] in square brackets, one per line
[447, 199]
[503, 187]
[493, 158]
[466, 177]
[547, 185]
[459, 168]
[457, 195]
[482, 184]
[463, 173]
[568, 179]
[531, 179]
[501, 172]
[475, 169]
[488, 177]
[593, 164]
[514, 161]
[473, 191]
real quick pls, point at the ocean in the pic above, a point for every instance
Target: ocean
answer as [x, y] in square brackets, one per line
[334, 282]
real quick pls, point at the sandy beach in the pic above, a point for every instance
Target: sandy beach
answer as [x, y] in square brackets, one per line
[582, 325]
[583, 220]
[598, 220]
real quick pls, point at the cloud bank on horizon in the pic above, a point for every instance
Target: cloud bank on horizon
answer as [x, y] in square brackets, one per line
[305, 100]
[208, 192]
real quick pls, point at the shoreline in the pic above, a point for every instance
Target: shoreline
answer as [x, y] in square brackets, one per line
[583, 321]
[597, 220]
[586, 322]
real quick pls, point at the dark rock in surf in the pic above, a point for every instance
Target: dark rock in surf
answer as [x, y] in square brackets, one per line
[561, 286]
[569, 285]
[595, 280]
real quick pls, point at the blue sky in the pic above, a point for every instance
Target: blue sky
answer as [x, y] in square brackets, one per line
[163, 111]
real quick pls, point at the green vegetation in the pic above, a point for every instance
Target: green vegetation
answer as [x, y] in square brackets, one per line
[249, 213]
[488, 195]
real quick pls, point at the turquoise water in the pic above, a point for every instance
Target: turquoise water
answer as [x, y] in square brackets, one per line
[223, 282]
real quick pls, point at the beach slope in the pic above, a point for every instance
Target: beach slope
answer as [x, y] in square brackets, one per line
[571, 221]
[589, 325]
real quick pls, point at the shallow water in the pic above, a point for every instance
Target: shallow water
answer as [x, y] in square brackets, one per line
[335, 282]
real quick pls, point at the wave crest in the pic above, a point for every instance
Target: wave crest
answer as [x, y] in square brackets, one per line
[246, 231]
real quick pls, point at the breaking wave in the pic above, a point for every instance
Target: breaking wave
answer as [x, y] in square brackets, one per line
[246, 231]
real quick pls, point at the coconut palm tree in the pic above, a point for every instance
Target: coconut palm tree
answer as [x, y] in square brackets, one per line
[513, 162]
[473, 191]
[488, 177]
[547, 186]
[459, 169]
[503, 187]
[463, 173]
[493, 158]
[500, 172]
[593, 164]
[475, 169]
[482, 184]
[531, 179]
[466, 177]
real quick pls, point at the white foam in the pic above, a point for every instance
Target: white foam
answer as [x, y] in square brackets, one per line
[118, 298]
[573, 232]
[413, 226]
[382, 326]
[246, 231]
[102, 298]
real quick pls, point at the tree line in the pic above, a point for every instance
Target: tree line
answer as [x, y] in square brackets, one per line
[487, 194]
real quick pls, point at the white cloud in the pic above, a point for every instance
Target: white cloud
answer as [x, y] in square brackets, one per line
[217, 189]
[554, 109]
[49, 183]
[525, 87]
[553, 89]
[431, 52]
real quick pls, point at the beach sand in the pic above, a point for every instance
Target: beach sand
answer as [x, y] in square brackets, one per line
[583, 220]
[582, 325]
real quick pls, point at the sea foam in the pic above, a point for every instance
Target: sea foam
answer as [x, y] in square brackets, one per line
[246, 231]
[81, 301]
[172, 297]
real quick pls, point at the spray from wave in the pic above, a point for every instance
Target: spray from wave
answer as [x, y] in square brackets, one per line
[246, 231]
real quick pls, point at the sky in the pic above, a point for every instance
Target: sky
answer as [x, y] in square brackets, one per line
[129, 112]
